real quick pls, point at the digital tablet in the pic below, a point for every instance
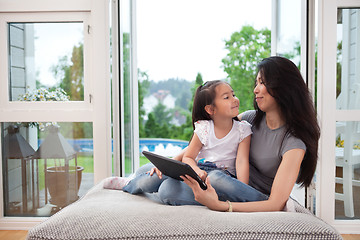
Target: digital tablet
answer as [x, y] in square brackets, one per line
[173, 168]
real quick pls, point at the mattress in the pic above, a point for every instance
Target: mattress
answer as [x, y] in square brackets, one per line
[113, 214]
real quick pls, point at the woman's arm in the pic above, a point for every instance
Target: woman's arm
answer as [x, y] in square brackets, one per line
[191, 153]
[283, 184]
[242, 160]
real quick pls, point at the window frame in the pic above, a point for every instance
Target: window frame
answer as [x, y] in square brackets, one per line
[81, 106]
[95, 108]
[329, 115]
[118, 89]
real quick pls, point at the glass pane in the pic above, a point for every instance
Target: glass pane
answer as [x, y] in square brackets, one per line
[38, 161]
[348, 59]
[46, 55]
[126, 71]
[347, 150]
[177, 55]
[289, 30]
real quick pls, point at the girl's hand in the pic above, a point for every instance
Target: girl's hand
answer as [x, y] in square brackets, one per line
[157, 171]
[206, 197]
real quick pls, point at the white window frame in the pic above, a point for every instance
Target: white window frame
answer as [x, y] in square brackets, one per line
[96, 105]
[81, 107]
[118, 89]
[328, 114]
[307, 63]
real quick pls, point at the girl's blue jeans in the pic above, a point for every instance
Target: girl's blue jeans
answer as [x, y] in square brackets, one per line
[175, 192]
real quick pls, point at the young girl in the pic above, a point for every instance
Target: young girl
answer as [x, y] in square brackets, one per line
[219, 143]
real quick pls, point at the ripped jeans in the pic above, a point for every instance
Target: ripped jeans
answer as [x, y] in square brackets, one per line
[175, 192]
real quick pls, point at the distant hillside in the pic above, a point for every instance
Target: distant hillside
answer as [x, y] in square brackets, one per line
[179, 88]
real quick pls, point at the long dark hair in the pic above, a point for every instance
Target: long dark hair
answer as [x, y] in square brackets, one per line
[284, 82]
[204, 95]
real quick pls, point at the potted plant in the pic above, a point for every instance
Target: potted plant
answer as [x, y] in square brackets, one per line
[62, 181]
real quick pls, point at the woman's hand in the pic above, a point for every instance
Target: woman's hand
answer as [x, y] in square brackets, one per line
[206, 197]
[202, 174]
[157, 171]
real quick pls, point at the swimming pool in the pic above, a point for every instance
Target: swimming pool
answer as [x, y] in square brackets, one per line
[162, 146]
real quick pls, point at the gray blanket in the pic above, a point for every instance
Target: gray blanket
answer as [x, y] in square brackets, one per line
[113, 214]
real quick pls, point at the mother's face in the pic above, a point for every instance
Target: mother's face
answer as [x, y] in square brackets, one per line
[264, 100]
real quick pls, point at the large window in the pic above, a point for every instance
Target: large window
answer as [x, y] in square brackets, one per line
[182, 44]
[288, 29]
[347, 153]
[339, 115]
[45, 65]
[36, 63]
[54, 77]
[46, 166]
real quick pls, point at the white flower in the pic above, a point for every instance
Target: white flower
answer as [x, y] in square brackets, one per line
[43, 95]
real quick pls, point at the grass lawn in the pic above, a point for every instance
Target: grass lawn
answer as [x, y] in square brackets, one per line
[84, 161]
[143, 161]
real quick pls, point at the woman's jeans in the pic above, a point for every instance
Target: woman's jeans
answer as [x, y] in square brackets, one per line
[175, 192]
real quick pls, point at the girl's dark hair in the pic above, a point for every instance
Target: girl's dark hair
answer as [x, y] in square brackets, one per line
[204, 95]
[284, 82]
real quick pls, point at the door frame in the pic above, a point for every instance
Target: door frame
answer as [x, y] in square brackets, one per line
[328, 114]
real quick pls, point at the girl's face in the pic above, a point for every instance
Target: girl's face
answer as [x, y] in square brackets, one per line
[226, 104]
[264, 100]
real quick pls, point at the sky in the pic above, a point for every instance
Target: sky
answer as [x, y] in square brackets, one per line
[52, 41]
[175, 39]
[178, 39]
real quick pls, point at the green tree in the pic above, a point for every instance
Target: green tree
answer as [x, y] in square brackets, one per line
[183, 100]
[72, 81]
[245, 49]
[338, 68]
[72, 76]
[185, 131]
[143, 86]
[161, 114]
[151, 126]
[164, 131]
[198, 82]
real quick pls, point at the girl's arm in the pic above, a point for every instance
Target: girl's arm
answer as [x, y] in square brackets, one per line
[180, 155]
[283, 184]
[191, 153]
[242, 160]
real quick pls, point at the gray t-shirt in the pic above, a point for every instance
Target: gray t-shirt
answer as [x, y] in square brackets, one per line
[265, 153]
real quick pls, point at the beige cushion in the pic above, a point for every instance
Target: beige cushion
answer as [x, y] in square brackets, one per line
[113, 214]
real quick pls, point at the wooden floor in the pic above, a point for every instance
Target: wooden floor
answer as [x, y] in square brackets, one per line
[351, 237]
[21, 235]
[13, 235]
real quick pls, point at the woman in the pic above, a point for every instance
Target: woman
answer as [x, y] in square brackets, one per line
[283, 147]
